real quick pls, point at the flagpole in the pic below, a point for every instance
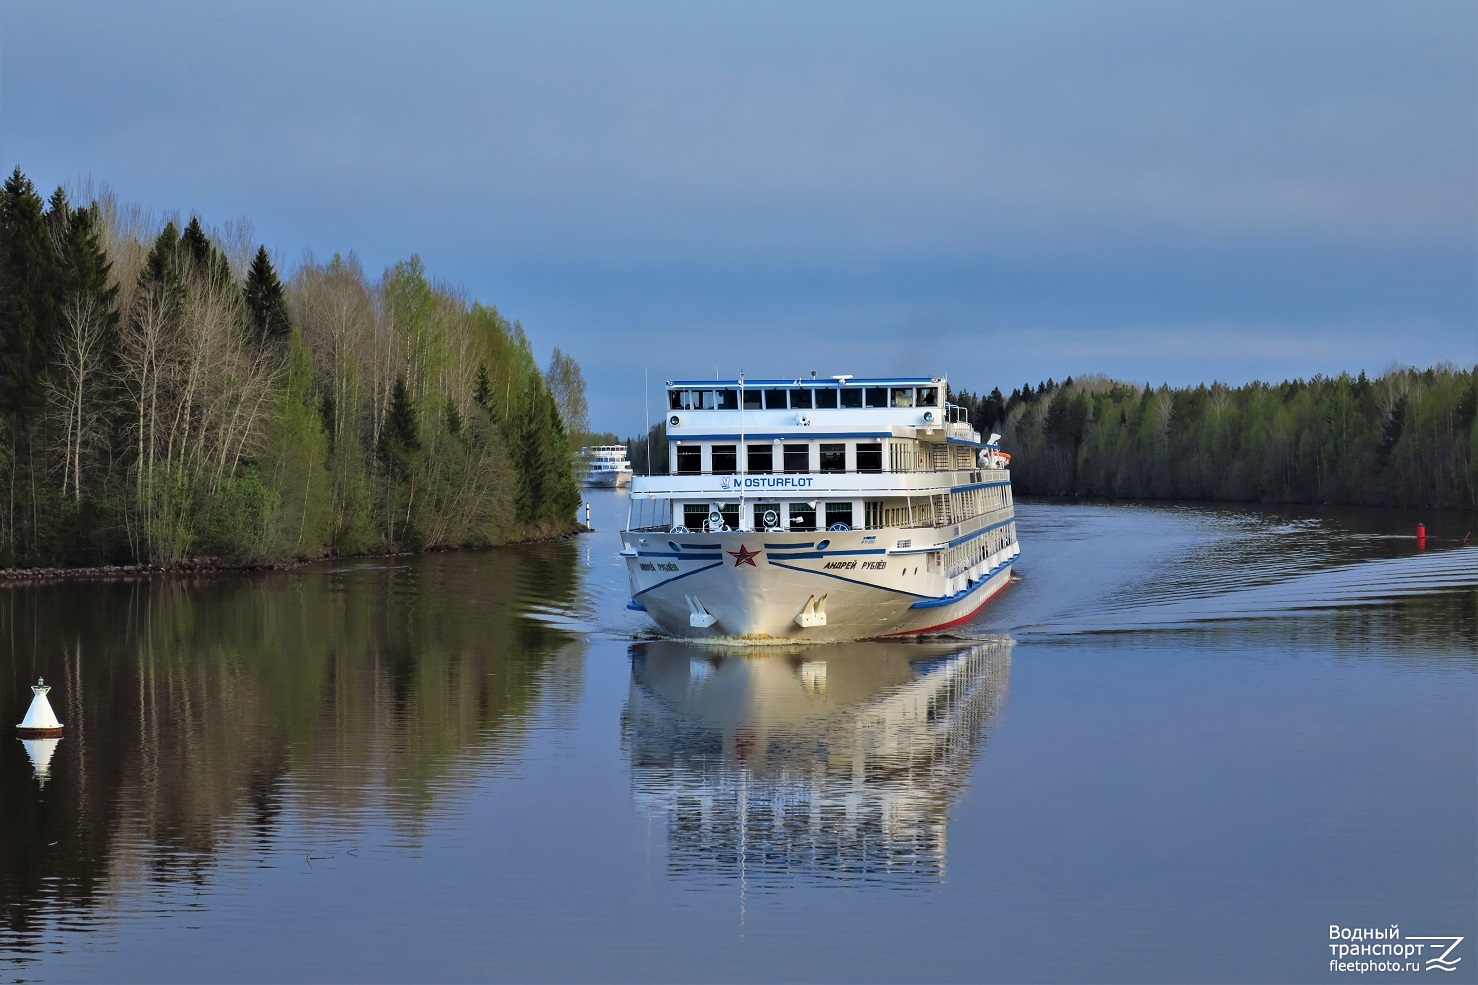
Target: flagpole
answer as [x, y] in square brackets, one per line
[743, 458]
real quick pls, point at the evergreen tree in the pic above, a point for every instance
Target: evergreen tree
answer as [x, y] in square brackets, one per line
[86, 269]
[401, 434]
[266, 301]
[201, 255]
[482, 391]
[29, 313]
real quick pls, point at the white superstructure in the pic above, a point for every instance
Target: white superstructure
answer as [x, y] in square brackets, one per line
[606, 465]
[820, 509]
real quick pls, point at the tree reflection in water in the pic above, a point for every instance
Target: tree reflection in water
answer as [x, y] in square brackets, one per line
[198, 710]
[816, 764]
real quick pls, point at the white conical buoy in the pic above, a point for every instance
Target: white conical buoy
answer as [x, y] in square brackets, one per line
[40, 721]
[41, 751]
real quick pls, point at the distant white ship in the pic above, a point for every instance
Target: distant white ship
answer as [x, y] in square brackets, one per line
[606, 465]
[824, 509]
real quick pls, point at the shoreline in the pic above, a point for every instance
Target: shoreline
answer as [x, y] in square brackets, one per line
[206, 566]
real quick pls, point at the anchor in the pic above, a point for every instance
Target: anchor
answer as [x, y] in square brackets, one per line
[698, 616]
[813, 613]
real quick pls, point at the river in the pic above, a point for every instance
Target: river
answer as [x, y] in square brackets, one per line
[1186, 742]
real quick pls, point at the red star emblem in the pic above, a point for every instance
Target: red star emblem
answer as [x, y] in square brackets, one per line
[743, 556]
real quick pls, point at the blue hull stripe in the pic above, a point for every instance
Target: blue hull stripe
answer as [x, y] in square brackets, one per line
[695, 571]
[963, 593]
[816, 554]
[854, 581]
[957, 541]
[685, 557]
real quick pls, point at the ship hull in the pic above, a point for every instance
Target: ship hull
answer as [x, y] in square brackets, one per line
[819, 587]
[607, 479]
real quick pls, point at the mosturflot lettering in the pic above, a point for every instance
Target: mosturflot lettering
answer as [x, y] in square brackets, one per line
[770, 481]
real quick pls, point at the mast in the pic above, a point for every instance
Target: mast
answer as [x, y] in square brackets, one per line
[743, 458]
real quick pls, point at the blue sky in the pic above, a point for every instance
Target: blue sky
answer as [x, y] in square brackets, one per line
[998, 192]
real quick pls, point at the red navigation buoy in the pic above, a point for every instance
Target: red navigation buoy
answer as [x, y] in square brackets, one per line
[1421, 535]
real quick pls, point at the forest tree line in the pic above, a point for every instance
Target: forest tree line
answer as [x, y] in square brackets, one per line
[164, 395]
[1406, 438]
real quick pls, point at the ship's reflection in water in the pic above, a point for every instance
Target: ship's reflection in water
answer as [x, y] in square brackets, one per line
[812, 764]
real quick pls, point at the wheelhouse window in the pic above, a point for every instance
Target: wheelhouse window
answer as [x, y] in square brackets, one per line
[767, 516]
[800, 399]
[869, 457]
[753, 399]
[675, 399]
[725, 458]
[826, 399]
[802, 516]
[877, 396]
[903, 396]
[728, 399]
[838, 516]
[833, 458]
[761, 458]
[797, 458]
[851, 397]
[689, 459]
[928, 396]
[703, 400]
[775, 400]
[694, 515]
[730, 513]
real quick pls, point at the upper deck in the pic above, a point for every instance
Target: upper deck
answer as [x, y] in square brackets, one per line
[833, 407]
[604, 453]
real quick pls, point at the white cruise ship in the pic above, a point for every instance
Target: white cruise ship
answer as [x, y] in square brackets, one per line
[605, 465]
[812, 510]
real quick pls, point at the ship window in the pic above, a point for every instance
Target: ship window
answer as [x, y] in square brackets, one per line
[761, 458]
[873, 510]
[802, 517]
[725, 458]
[838, 513]
[869, 458]
[903, 396]
[752, 399]
[767, 516]
[728, 400]
[928, 396]
[695, 515]
[826, 399]
[703, 400]
[730, 512]
[833, 458]
[797, 458]
[800, 399]
[675, 399]
[775, 400]
[689, 459]
[877, 396]
[851, 396]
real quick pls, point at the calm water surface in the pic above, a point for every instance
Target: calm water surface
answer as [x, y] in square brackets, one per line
[1179, 747]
